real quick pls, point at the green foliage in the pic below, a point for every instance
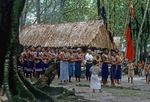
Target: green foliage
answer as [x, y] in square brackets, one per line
[117, 11]
[79, 10]
[52, 11]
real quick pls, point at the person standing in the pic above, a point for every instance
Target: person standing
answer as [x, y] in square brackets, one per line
[148, 76]
[104, 69]
[95, 83]
[118, 72]
[58, 63]
[29, 65]
[64, 73]
[146, 69]
[140, 68]
[46, 60]
[130, 71]
[113, 68]
[88, 60]
[71, 64]
[78, 60]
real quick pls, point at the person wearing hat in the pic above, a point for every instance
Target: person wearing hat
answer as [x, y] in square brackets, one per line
[88, 59]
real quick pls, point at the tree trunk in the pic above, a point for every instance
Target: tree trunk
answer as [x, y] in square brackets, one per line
[62, 4]
[38, 16]
[140, 31]
[46, 11]
[99, 9]
[108, 16]
[48, 76]
[114, 16]
[15, 86]
[9, 28]
[14, 43]
[5, 31]
[24, 15]
[145, 47]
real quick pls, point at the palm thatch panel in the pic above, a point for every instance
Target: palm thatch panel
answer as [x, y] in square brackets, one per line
[78, 34]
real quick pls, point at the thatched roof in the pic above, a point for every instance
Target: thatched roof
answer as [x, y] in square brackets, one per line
[78, 34]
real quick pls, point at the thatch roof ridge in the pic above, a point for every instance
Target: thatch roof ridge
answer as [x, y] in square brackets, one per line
[57, 24]
[67, 34]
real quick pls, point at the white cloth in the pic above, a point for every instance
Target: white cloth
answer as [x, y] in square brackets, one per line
[94, 70]
[88, 57]
[95, 82]
[64, 73]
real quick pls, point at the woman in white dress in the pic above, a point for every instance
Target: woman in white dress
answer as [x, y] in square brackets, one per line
[95, 83]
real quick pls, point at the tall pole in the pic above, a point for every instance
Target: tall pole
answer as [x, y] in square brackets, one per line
[140, 32]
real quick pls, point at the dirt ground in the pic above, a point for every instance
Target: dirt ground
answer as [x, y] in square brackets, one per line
[139, 91]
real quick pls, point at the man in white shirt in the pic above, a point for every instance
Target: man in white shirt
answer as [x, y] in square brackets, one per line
[88, 59]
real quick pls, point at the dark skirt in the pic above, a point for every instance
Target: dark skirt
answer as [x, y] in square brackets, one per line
[46, 65]
[77, 68]
[39, 67]
[29, 65]
[71, 66]
[104, 71]
[112, 71]
[88, 66]
[24, 65]
[58, 68]
[118, 72]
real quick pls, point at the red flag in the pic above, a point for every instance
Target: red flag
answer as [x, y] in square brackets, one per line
[130, 53]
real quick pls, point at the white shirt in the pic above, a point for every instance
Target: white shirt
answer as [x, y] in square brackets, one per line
[88, 57]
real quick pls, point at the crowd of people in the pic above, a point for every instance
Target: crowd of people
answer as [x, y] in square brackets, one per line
[141, 69]
[34, 61]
